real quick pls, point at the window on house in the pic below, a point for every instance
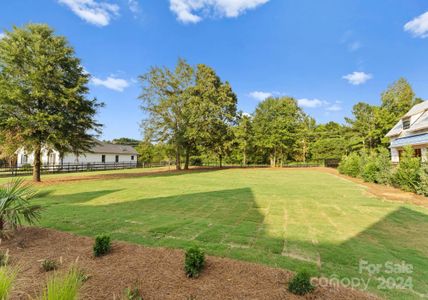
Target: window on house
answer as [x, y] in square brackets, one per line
[406, 123]
[418, 153]
[132, 157]
[117, 158]
[103, 158]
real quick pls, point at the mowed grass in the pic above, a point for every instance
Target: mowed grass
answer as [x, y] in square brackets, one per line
[283, 218]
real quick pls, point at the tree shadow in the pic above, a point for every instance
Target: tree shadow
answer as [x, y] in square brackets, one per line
[231, 223]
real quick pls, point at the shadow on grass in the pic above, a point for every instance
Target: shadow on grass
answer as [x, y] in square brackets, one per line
[231, 223]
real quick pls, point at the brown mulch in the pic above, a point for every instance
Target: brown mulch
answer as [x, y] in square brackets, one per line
[157, 272]
[383, 191]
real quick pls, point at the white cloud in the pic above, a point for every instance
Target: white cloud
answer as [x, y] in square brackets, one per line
[2, 35]
[189, 11]
[334, 107]
[260, 95]
[357, 78]
[311, 103]
[93, 11]
[111, 82]
[354, 46]
[317, 103]
[134, 6]
[418, 27]
[350, 41]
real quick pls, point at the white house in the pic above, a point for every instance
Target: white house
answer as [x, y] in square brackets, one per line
[100, 153]
[411, 130]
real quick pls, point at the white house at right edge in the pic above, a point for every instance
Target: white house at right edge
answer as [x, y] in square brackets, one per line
[411, 130]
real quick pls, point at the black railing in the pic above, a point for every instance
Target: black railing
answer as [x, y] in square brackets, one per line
[65, 168]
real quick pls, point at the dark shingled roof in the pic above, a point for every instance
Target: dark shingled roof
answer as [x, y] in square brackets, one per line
[108, 148]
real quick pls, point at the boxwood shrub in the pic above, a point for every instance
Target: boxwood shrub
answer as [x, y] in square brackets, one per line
[194, 262]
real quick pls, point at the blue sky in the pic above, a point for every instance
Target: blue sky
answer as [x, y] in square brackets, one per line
[328, 54]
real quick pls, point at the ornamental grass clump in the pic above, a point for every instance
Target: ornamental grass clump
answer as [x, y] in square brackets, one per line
[63, 287]
[7, 279]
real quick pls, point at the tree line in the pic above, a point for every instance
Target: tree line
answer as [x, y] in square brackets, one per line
[191, 113]
[192, 116]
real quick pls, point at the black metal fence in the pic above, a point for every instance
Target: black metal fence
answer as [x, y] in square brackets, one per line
[6, 170]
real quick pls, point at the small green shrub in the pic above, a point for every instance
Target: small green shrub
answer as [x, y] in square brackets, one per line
[102, 245]
[422, 188]
[301, 284]
[132, 294]
[351, 165]
[370, 170]
[194, 262]
[4, 258]
[406, 176]
[384, 167]
[377, 167]
[7, 279]
[49, 265]
[63, 287]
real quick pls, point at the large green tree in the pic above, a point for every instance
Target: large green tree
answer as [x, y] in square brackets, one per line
[212, 113]
[397, 100]
[277, 125]
[164, 96]
[244, 137]
[363, 124]
[43, 93]
[331, 141]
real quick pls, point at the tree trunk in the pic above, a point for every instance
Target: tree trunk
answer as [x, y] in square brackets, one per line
[37, 163]
[245, 158]
[220, 157]
[273, 159]
[177, 158]
[186, 164]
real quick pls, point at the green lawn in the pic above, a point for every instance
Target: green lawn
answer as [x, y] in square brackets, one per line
[284, 218]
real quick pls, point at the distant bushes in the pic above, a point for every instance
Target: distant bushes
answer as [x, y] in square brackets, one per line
[410, 174]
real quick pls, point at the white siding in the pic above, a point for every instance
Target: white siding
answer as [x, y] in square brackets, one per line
[72, 159]
[97, 158]
[395, 156]
[424, 154]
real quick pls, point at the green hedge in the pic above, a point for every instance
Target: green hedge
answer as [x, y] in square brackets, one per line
[410, 174]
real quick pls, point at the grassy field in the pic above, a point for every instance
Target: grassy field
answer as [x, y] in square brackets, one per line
[283, 218]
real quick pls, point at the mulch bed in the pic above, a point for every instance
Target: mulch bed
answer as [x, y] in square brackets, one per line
[157, 272]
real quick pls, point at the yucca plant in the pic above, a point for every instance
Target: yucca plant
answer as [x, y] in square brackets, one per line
[63, 287]
[7, 278]
[15, 206]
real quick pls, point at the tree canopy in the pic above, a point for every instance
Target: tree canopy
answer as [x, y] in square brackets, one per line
[43, 90]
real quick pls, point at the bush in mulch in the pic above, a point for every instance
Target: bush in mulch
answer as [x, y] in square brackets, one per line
[49, 265]
[301, 284]
[194, 262]
[102, 245]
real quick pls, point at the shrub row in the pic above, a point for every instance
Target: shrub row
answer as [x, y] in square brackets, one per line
[410, 174]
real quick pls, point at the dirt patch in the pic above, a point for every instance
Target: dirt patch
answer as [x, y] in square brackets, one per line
[383, 191]
[165, 171]
[157, 272]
